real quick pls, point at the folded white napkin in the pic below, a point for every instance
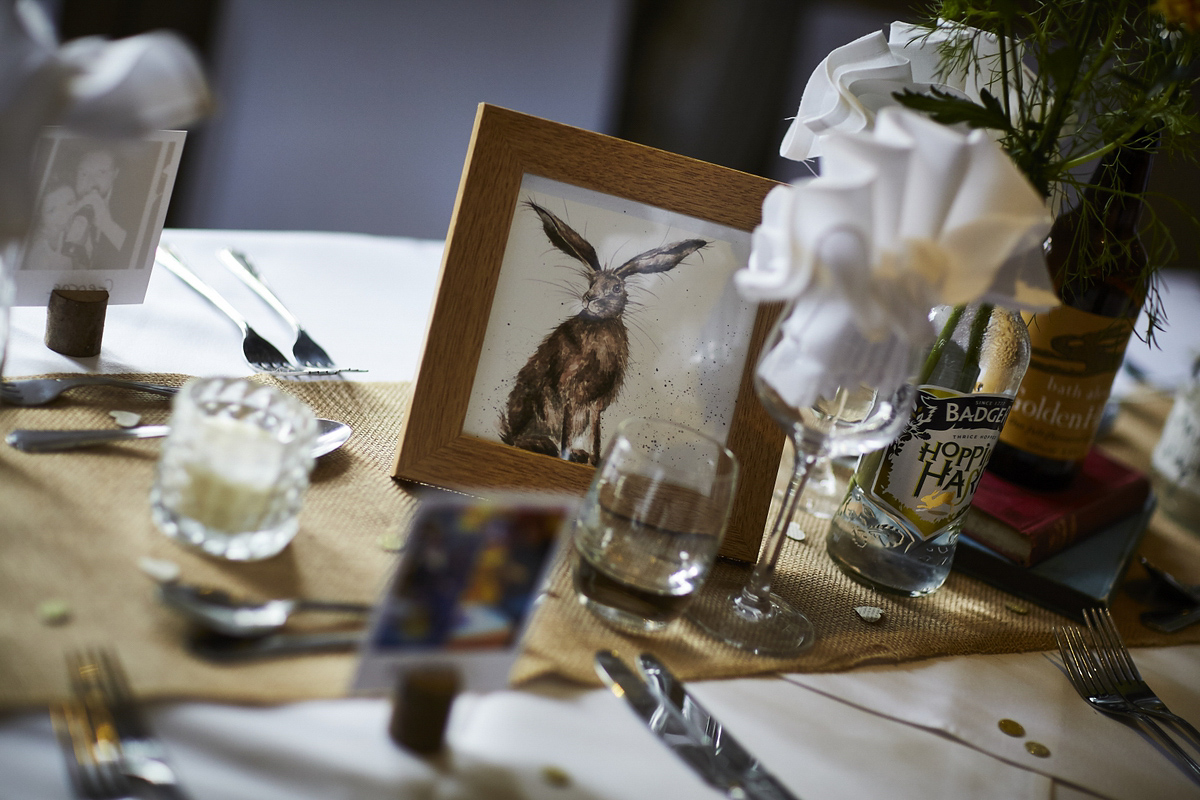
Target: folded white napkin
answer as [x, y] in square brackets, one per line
[134, 85]
[122, 88]
[905, 216]
[848, 89]
[965, 698]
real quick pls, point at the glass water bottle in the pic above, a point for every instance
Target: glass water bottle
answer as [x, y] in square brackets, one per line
[898, 525]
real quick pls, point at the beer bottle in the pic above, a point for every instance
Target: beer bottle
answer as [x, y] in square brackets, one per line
[1099, 268]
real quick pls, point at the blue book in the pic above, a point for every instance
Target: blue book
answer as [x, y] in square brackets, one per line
[1085, 575]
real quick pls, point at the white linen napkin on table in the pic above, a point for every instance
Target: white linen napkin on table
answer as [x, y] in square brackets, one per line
[966, 697]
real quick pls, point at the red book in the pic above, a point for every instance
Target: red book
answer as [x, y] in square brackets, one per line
[1029, 526]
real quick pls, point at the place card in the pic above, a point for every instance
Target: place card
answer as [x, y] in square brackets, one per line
[98, 214]
[464, 589]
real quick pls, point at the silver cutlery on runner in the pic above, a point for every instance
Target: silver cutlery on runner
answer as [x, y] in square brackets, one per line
[1115, 660]
[1096, 687]
[688, 729]
[223, 613]
[1171, 621]
[39, 391]
[1185, 599]
[305, 351]
[101, 685]
[220, 648]
[92, 765]
[330, 436]
[1180, 592]
[261, 354]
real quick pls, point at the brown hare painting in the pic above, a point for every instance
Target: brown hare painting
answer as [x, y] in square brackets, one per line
[578, 369]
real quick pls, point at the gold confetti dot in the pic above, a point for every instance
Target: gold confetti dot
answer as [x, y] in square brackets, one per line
[1016, 609]
[1037, 749]
[54, 612]
[556, 777]
[1012, 727]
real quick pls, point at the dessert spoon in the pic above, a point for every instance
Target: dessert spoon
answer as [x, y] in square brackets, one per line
[219, 611]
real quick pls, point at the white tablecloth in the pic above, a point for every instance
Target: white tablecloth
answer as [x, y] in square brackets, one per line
[921, 730]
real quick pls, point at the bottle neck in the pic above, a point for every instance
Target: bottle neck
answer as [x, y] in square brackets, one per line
[1118, 186]
[1094, 252]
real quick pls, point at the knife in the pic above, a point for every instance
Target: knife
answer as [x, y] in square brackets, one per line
[1182, 594]
[1171, 621]
[756, 781]
[693, 734]
[1187, 602]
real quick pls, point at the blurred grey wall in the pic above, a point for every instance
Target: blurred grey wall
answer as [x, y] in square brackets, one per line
[355, 115]
[719, 80]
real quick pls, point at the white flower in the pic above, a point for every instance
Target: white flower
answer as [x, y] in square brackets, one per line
[848, 89]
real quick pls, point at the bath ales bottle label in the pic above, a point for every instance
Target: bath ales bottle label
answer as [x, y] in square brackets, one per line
[1074, 359]
[929, 473]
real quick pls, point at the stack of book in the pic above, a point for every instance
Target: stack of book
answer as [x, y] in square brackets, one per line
[1065, 550]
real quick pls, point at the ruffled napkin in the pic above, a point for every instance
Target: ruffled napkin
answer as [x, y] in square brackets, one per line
[906, 216]
[102, 88]
[848, 89]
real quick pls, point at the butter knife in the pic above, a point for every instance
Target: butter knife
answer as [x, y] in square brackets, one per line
[693, 734]
[224, 649]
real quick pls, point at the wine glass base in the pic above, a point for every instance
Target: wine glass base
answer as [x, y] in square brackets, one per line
[780, 631]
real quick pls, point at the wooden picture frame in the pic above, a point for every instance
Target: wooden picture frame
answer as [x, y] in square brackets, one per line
[508, 151]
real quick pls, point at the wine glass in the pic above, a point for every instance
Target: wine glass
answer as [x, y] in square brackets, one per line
[822, 495]
[847, 421]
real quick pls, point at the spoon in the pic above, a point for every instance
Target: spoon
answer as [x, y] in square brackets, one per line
[223, 613]
[331, 435]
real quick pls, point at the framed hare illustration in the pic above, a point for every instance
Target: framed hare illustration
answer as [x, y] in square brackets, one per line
[585, 280]
[579, 368]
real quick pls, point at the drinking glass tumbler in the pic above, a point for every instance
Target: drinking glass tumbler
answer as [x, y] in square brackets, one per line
[649, 528]
[234, 468]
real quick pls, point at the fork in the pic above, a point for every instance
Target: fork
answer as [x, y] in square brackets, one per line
[39, 391]
[99, 678]
[305, 351]
[1094, 686]
[91, 777]
[1115, 658]
[261, 354]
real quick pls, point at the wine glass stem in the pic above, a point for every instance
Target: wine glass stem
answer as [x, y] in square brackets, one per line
[757, 592]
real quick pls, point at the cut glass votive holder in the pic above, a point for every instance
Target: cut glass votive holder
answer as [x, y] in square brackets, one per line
[234, 468]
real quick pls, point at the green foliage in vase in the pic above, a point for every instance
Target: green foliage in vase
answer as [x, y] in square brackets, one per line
[1073, 80]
